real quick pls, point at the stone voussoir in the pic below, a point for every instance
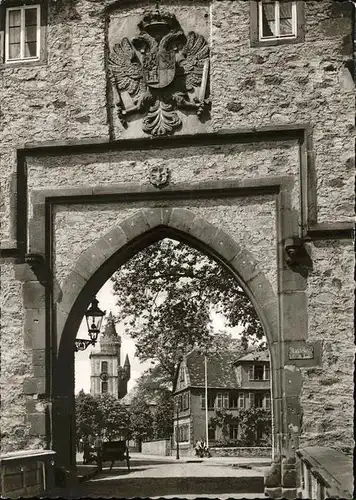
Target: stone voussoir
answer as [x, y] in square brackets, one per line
[135, 226]
[115, 239]
[73, 286]
[154, 217]
[89, 261]
[182, 219]
[203, 230]
[225, 246]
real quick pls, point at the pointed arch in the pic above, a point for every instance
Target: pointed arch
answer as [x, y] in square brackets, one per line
[95, 265]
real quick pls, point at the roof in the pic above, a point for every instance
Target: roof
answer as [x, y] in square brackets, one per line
[109, 332]
[220, 369]
[221, 373]
[254, 356]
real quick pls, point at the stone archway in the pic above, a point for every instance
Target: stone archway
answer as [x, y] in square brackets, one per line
[95, 266]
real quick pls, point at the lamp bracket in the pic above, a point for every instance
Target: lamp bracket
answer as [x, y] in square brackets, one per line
[296, 255]
[82, 344]
[38, 265]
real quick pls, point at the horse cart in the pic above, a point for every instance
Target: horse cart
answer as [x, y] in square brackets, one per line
[112, 451]
[115, 451]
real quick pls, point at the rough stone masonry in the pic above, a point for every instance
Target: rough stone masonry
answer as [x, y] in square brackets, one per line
[272, 159]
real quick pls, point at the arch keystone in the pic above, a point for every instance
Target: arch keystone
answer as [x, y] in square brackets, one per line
[182, 219]
[154, 217]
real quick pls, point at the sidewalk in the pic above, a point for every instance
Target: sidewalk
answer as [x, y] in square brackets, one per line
[233, 461]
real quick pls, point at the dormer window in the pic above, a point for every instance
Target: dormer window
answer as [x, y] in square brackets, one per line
[258, 372]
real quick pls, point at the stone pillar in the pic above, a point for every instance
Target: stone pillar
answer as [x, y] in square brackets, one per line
[273, 487]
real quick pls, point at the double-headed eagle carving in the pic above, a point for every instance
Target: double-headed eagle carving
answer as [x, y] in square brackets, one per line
[160, 71]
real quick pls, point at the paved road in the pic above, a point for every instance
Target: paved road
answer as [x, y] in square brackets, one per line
[156, 478]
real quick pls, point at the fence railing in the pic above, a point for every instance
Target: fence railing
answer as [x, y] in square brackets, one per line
[27, 473]
[324, 473]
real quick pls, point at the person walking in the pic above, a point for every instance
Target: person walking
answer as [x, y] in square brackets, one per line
[98, 446]
[86, 450]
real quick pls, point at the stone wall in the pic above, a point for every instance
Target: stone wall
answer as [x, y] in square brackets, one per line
[160, 447]
[257, 452]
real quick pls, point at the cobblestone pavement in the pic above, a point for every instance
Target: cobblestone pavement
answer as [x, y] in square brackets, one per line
[155, 478]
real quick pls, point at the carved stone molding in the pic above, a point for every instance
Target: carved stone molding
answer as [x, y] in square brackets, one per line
[38, 266]
[159, 176]
[158, 72]
[296, 256]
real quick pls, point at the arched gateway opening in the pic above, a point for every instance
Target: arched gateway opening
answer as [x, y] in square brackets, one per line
[96, 265]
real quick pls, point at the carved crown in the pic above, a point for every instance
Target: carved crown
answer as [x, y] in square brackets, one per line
[157, 19]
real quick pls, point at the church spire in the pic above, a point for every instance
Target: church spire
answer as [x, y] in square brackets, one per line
[110, 330]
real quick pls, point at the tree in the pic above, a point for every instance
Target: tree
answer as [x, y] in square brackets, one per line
[115, 419]
[253, 422]
[88, 414]
[141, 420]
[163, 415]
[97, 414]
[167, 294]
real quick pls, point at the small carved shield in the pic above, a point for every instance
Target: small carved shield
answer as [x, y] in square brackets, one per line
[159, 176]
[159, 68]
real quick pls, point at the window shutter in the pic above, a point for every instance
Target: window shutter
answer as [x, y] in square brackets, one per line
[267, 401]
[202, 400]
[241, 400]
[252, 399]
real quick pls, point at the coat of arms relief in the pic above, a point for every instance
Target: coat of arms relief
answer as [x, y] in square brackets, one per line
[160, 71]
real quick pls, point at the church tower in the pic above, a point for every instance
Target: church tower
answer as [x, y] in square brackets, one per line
[107, 375]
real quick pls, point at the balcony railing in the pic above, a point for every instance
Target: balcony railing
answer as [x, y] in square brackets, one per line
[324, 473]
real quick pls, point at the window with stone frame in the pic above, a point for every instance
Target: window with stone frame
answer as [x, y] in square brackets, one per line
[104, 387]
[241, 400]
[259, 400]
[183, 432]
[222, 400]
[258, 372]
[185, 401]
[267, 401]
[276, 21]
[22, 32]
[211, 433]
[234, 400]
[211, 401]
[234, 431]
[104, 367]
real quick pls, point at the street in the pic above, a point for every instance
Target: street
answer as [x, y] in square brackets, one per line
[164, 476]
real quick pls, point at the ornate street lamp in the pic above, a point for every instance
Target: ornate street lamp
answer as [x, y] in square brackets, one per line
[94, 318]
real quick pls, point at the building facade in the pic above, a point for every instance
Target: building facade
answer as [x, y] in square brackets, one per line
[234, 382]
[107, 375]
[239, 142]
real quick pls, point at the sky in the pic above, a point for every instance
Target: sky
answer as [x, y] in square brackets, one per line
[107, 302]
